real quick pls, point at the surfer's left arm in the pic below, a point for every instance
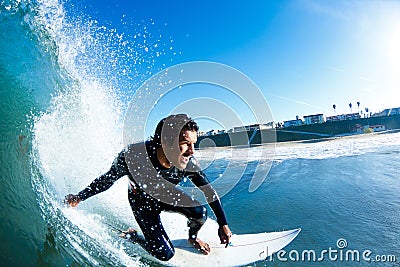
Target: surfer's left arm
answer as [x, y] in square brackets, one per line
[200, 179]
[101, 183]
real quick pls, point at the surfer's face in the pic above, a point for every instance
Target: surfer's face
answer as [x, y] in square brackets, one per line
[179, 156]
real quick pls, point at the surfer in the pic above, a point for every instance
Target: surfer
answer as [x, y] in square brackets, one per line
[154, 169]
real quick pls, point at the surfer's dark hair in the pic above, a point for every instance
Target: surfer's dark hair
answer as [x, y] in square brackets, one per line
[170, 127]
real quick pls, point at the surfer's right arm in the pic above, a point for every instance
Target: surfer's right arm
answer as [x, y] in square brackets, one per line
[101, 183]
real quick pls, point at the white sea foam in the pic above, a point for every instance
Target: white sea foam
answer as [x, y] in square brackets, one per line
[80, 133]
[339, 147]
[314, 149]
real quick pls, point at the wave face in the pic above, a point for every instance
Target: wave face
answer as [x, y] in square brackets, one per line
[65, 81]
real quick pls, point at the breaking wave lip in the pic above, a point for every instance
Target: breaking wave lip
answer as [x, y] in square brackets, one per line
[80, 133]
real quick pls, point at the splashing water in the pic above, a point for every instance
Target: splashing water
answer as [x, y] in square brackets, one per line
[83, 74]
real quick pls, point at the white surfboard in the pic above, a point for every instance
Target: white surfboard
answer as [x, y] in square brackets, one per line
[244, 248]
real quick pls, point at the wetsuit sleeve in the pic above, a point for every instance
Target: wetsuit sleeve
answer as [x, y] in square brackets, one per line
[201, 181]
[199, 178]
[105, 181]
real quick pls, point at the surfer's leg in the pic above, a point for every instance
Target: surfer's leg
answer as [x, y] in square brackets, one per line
[156, 240]
[197, 216]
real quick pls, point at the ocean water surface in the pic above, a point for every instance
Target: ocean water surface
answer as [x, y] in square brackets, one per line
[53, 105]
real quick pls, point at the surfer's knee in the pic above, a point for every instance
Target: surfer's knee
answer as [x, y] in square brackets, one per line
[200, 214]
[167, 256]
[164, 254]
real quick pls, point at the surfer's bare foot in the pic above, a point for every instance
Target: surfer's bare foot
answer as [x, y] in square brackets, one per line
[201, 246]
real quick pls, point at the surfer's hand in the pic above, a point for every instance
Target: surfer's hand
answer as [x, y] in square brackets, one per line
[130, 234]
[72, 200]
[201, 246]
[224, 234]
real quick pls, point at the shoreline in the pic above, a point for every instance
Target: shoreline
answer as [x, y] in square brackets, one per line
[355, 135]
[311, 133]
[308, 141]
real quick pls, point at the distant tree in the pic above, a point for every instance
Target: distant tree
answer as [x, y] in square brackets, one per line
[358, 104]
[351, 105]
[334, 108]
[369, 130]
[366, 111]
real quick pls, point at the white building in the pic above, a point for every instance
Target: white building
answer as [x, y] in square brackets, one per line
[389, 112]
[363, 128]
[291, 123]
[377, 128]
[239, 129]
[201, 133]
[343, 117]
[252, 127]
[212, 132]
[311, 119]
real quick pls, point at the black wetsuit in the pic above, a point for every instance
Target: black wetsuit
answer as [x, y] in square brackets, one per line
[147, 209]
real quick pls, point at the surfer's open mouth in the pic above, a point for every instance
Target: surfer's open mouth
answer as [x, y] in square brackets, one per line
[186, 155]
[185, 158]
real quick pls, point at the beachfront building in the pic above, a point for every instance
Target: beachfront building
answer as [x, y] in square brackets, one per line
[311, 119]
[388, 112]
[253, 127]
[352, 116]
[201, 133]
[378, 128]
[239, 129]
[363, 128]
[334, 118]
[343, 117]
[291, 123]
[211, 132]
[260, 126]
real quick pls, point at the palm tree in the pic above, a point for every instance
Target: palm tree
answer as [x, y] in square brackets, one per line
[350, 105]
[334, 108]
[366, 111]
[358, 104]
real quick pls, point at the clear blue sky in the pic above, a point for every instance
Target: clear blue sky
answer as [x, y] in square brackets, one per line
[304, 55]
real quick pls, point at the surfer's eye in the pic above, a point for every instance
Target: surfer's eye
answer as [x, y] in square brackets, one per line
[184, 143]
